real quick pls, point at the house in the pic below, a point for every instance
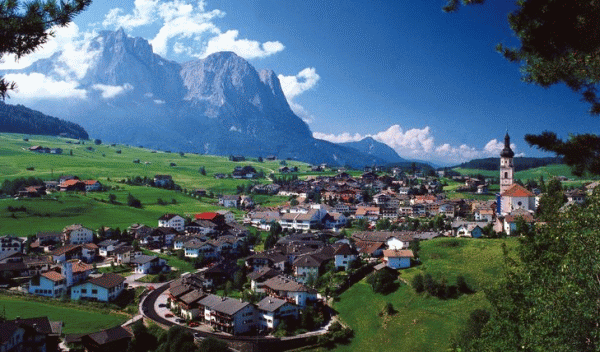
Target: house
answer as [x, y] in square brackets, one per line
[77, 234]
[10, 243]
[160, 237]
[258, 278]
[195, 248]
[270, 259]
[214, 217]
[188, 304]
[262, 219]
[148, 264]
[227, 215]
[271, 311]
[105, 288]
[247, 172]
[106, 247]
[302, 221]
[48, 238]
[220, 273]
[72, 185]
[109, 340]
[32, 191]
[286, 288]
[172, 220]
[371, 249]
[343, 256]
[370, 213]
[163, 180]
[228, 315]
[48, 284]
[123, 254]
[32, 335]
[229, 201]
[202, 227]
[484, 214]
[92, 185]
[509, 223]
[334, 221]
[469, 230]
[306, 267]
[86, 252]
[398, 259]
[575, 196]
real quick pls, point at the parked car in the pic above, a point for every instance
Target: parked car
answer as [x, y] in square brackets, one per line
[169, 315]
[193, 324]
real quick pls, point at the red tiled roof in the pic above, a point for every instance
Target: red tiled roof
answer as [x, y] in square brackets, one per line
[53, 275]
[69, 183]
[90, 182]
[402, 253]
[206, 216]
[517, 190]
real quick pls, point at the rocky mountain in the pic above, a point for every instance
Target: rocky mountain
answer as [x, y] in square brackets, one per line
[19, 119]
[218, 105]
[372, 147]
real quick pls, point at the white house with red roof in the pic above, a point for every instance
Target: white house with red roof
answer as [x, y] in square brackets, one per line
[516, 197]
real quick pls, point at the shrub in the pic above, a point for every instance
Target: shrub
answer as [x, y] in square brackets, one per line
[133, 201]
[418, 283]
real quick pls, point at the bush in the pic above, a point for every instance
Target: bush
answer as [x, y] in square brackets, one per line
[133, 201]
[418, 283]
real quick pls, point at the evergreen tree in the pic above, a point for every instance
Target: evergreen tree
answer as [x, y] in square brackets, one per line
[26, 26]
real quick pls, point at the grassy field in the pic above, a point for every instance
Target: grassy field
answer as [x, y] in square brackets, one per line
[548, 171]
[104, 161]
[422, 322]
[76, 320]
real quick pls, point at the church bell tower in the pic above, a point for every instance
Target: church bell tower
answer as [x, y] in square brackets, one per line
[506, 165]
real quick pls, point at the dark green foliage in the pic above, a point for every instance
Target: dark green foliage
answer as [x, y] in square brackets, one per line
[202, 171]
[418, 283]
[133, 201]
[97, 141]
[547, 300]
[477, 320]
[177, 339]
[11, 187]
[211, 344]
[551, 201]
[25, 27]
[383, 281]
[143, 340]
[519, 163]
[580, 152]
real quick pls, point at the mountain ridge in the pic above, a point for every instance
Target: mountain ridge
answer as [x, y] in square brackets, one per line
[217, 105]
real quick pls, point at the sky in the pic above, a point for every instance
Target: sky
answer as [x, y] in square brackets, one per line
[427, 83]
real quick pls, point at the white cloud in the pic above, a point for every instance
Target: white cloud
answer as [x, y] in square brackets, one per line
[293, 86]
[420, 144]
[159, 102]
[109, 92]
[248, 49]
[143, 14]
[340, 138]
[37, 86]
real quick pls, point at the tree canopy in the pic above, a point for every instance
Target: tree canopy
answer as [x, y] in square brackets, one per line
[559, 43]
[26, 26]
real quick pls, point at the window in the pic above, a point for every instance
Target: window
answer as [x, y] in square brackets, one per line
[83, 290]
[506, 175]
[94, 291]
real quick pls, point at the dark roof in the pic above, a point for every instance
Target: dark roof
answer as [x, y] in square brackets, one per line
[167, 217]
[210, 300]
[107, 280]
[282, 283]
[307, 260]
[192, 297]
[270, 304]
[507, 152]
[110, 335]
[179, 290]
[143, 259]
[230, 306]
[344, 249]
[263, 273]
[107, 243]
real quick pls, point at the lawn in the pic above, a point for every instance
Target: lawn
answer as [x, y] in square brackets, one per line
[180, 264]
[422, 322]
[76, 320]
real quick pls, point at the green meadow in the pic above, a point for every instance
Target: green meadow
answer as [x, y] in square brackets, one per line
[77, 320]
[54, 212]
[423, 322]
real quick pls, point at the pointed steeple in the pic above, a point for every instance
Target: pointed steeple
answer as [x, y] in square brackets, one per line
[507, 152]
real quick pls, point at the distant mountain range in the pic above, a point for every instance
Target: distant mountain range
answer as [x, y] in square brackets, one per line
[519, 163]
[19, 119]
[218, 105]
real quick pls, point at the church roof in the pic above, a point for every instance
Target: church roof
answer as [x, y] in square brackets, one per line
[507, 152]
[517, 190]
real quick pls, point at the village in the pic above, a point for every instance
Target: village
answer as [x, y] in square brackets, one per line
[333, 231]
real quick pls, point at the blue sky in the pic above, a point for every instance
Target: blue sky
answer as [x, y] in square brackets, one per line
[427, 83]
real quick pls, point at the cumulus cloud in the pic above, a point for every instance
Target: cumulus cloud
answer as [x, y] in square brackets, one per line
[293, 86]
[188, 28]
[38, 86]
[420, 144]
[109, 92]
[248, 49]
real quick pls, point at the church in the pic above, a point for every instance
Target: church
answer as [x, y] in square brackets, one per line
[512, 197]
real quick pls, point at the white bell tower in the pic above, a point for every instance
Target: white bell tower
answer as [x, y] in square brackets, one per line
[506, 165]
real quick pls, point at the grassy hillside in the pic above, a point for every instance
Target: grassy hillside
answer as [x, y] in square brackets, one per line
[548, 172]
[77, 320]
[104, 162]
[422, 322]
